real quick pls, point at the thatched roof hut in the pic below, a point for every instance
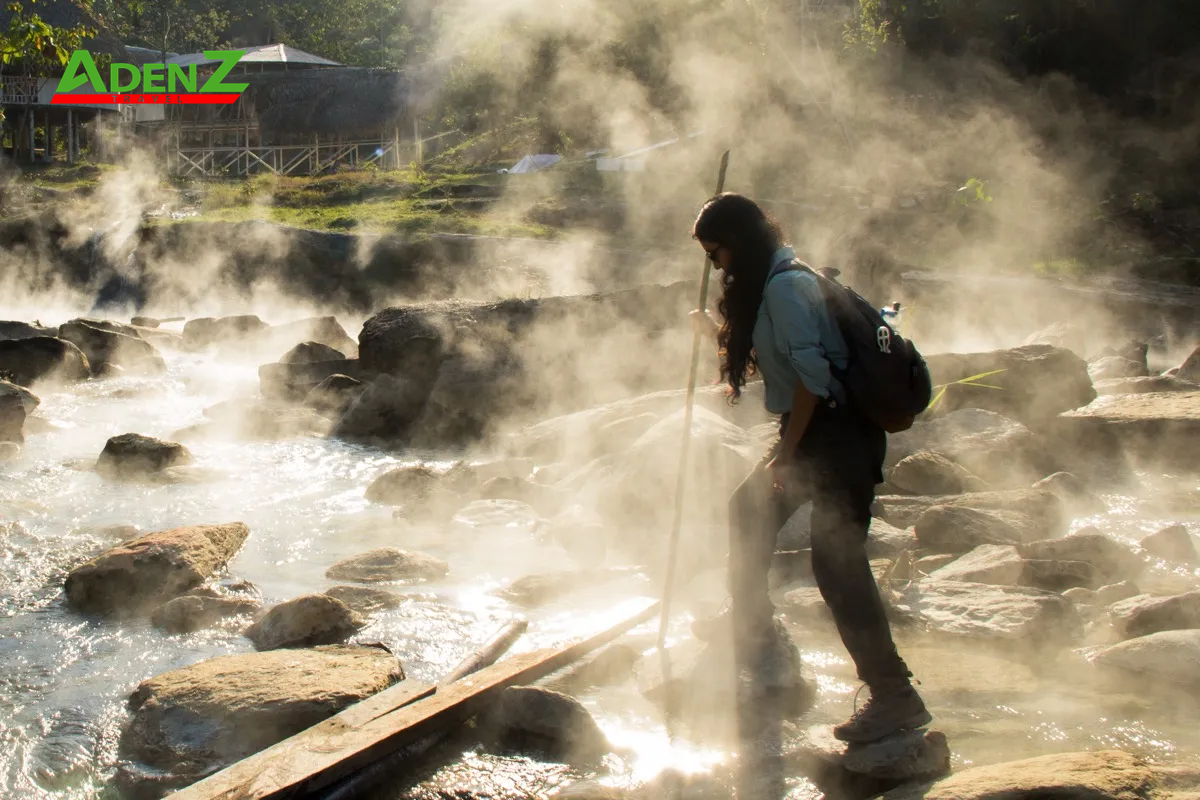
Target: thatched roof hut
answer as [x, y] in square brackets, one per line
[68, 14]
[353, 103]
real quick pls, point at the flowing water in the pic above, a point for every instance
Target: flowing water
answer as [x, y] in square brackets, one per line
[65, 677]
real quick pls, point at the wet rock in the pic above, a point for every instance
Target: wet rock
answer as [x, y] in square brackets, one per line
[1146, 385]
[982, 610]
[291, 382]
[10, 331]
[1037, 514]
[545, 724]
[313, 619]
[132, 455]
[192, 613]
[950, 529]
[384, 413]
[888, 541]
[918, 755]
[533, 591]
[1001, 565]
[1172, 543]
[1116, 367]
[1145, 614]
[1112, 560]
[1160, 429]
[806, 604]
[388, 564]
[365, 600]
[1038, 382]
[1116, 592]
[206, 331]
[12, 417]
[308, 352]
[417, 483]
[1100, 775]
[206, 716]
[43, 359]
[29, 400]
[333, 395]
[102, 344]
[148, 571]
[1172, 657]
[1073, 492]
[1058, 575]
[927, 473]
[999, 450]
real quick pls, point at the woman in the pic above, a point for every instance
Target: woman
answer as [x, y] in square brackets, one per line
[775, 322]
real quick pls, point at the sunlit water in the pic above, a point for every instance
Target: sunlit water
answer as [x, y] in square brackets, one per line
[65, 677]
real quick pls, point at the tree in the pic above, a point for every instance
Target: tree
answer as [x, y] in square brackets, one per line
[36, 45]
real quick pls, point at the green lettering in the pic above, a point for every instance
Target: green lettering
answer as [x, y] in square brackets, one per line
[189, 81]
[70, 80]
[152, 78]
[230, 59]
[115, 71]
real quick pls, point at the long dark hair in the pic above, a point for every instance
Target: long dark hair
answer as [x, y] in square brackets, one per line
[738, 224]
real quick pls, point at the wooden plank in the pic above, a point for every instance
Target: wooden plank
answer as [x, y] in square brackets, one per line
[403, 693]
[316, 758]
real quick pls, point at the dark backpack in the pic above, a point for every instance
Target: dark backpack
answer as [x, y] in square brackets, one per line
[886, 378]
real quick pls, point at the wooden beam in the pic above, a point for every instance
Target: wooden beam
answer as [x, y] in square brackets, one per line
[316, 758]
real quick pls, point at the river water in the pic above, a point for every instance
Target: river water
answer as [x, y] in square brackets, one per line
[65, 677]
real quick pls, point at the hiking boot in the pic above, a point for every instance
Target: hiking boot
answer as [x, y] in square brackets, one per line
[890, 710]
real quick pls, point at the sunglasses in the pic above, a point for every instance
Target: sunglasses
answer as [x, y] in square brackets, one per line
[712, 254]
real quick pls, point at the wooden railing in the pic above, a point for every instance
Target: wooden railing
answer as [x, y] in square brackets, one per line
[229, 161]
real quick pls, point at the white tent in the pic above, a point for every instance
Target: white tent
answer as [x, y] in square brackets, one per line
[535, 163]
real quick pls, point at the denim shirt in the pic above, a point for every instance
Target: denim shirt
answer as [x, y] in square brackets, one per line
[795, 338]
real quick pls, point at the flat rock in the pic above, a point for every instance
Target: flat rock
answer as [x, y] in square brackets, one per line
[1172, 543]
[951, 529]
[1172, 657]
[996, 564]
[306, 621]
[985, 611]
[388, 564]
[365, 600]
[546, 724]
[996, 449]
[1099, 775]
[150, 570]
[43, 359]
[927, 473]
[1039, 514]
[10, 330]
[1112, 560]
[907, 756]
[1145, 614]
[192, 613]
[211, 714]
[132, 455]
[1145, 385]
[1161, 428]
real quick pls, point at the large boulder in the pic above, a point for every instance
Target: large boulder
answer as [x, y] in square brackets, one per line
[132, 455]
[979, 610]
[1038, 513]
[1111, 560]
[29, 400]
[12, 415]
[959, 529]
[1037, 382]
[383, 413]
[545, 724]
[1172, 543]
[365, 600]
[206, 331]
[332, 396]
[997, 564]
[293, 381]
[147, 571]
[11, 330]
[1171, 658]
[999, 450]
[468, 398]
[313, 619]
[308, 352]
[927, 473]
[197, 720]
[1154, 429]
[388, 564]
[43, 359]
[1145, 614]
[102, 346]
[913, 755]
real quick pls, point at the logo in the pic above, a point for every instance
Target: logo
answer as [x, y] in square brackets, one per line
[883, 337]
[158, 83]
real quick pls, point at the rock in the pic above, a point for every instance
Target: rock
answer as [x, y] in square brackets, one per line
[313, 619]
[546, 724]
[29, 400]
[1038, 514]
[1068, 335]
[1072, 491]
[148, 571]
[292, 382]
[917, 755]
[308, 352]
[43, 359]
[1099, 775]
[272, 342]
[1154, 429]
[532, 591]
[365, 600]
[1116, 367]
[1038, 382]
[1116, 592]
[388, 564]
[145, 322]
[384, 413]
[1146, 385]
[927, 473]
[403, 485]
[203, 717]
[104, 345]
[1172, 543]
[888, 541]
[10, 331]
[9, 451]
[1057, 575]
[988, 563]
[930, 564]
[333, 395]
[1112, 560]
[981, 610]
[462, 403]
[132, 455]
[951, 529]
[191, 613]
[200, 333]
[1081, 596]
[1144, 614]
[12, 416]
[1170, 657]
[1001, 451]
[1189, 370]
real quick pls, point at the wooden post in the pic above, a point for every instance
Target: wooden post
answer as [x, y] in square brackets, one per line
[32, 144]
[417, 140]
[49, 154]
[396, 147]
[70, 137]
